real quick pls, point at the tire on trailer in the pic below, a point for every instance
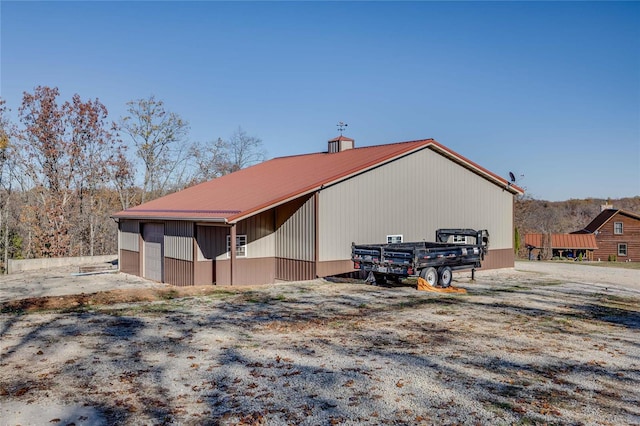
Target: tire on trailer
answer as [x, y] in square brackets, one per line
[430, 275]
[445, 276]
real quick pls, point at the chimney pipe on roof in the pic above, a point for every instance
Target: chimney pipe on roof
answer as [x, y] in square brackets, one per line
[341, 143]
[607, 206]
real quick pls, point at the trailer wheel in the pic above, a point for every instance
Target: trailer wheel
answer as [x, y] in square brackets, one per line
[430, 275]
[446, 276]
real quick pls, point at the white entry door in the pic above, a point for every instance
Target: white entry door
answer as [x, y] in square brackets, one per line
[153, 236]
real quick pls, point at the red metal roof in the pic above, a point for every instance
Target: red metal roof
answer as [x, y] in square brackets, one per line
[563, 241]
[248, 191]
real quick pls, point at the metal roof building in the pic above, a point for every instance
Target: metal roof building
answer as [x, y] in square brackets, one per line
[569, 245]
[294, 218]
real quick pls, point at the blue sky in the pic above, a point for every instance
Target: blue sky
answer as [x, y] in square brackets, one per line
[550, 90]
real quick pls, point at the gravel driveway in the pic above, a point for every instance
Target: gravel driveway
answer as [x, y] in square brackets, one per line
[525, 346]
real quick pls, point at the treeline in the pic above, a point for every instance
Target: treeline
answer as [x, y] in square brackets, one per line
[556, 217]
[65, 168]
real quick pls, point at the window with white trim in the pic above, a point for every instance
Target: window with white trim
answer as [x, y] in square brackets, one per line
[391, 239]
[241, 246]
[617, 228]
[460, 239]
[622, 249]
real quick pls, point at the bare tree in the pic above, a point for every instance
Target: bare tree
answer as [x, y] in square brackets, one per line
[220, 157]
[244, 150]
[211, 160]
[159, 138]
[122, 176]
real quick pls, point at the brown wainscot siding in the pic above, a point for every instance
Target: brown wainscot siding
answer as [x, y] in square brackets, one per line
[255, 271]
[496, 259]
[130, 262]
[203, 273]
[178, 272]
[334, 267]
[294, 270]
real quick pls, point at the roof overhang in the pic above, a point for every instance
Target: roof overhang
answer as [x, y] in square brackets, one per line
[476, 168]
[234, 216]
[324, 184]
[189, 215]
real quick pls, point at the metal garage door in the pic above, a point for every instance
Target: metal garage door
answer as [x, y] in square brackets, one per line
[153, 236]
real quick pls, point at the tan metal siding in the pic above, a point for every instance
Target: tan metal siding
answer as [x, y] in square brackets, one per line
[178, 272]
[259, 231]
[295, 234]
[153, 251]
[129, 234]
[412, 196]
[129, 241]
[178, 240]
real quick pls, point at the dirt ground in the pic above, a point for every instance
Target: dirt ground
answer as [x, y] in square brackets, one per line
[541, 344]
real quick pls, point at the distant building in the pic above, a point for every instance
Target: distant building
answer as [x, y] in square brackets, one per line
[561, 245]
[617, 233]
[294, 218]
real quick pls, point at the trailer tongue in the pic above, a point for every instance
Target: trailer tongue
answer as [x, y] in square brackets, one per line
[432, 261]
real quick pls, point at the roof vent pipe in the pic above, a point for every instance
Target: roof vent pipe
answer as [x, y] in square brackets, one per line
[341, 143]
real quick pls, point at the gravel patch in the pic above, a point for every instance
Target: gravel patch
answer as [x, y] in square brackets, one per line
[521, 347]
[64, 281]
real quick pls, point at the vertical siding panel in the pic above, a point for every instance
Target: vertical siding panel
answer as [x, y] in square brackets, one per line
[178, 272]
[412, 196]
[129, 234]
[178, 240]
[294, 270]
[295, 235]
[295, 240]
[129, 262]
[259, 230]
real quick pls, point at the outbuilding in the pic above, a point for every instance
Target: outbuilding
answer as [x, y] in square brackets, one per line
[294, 218]
[571, 246]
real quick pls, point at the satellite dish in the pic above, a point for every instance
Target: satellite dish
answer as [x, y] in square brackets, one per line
[512, 177]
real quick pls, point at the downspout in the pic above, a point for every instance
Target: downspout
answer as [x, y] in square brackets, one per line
[117, 221]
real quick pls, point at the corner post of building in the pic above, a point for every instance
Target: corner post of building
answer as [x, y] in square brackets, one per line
[316, 232]
[194, 255]
[232, 239]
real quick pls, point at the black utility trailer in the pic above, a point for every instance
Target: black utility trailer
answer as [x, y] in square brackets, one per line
[433, 261]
